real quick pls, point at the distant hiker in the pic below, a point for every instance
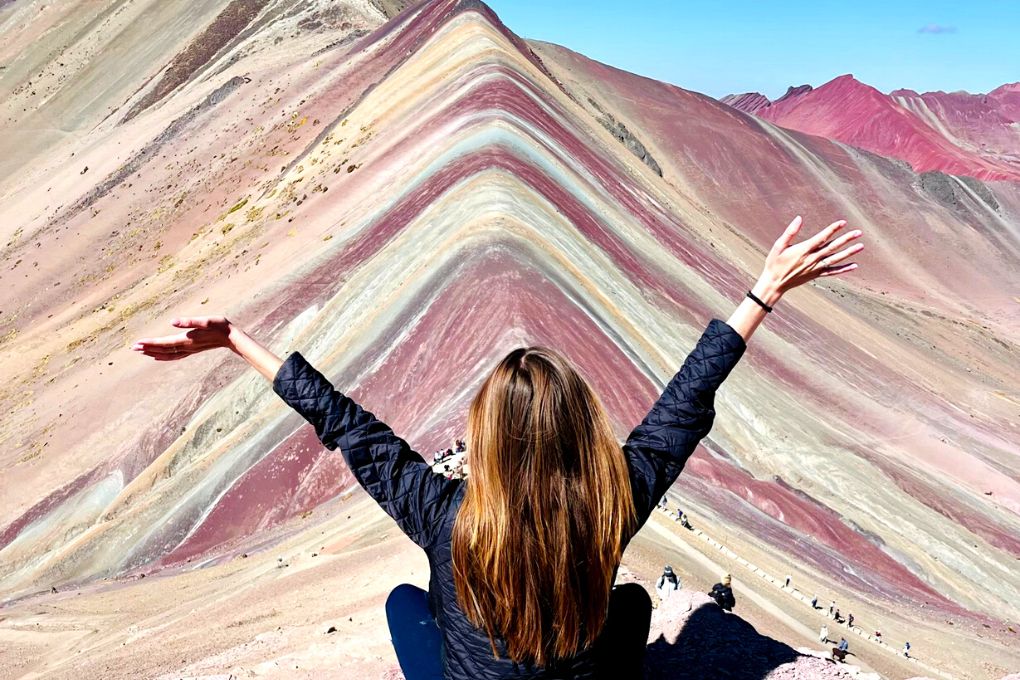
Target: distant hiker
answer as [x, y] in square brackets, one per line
[787, 585]
[906, 649]
[527, 595]
[836, 616]
[832, 608]
[823, 634]
[722, 593]
[461, 447]
[662, 503]
[668, 583]
[814, 602]
[684, 522]
[843, 644]
[850, 620]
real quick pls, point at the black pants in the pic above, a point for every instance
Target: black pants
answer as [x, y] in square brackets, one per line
[418, 643]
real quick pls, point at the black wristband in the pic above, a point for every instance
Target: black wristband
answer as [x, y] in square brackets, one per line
[755, 298]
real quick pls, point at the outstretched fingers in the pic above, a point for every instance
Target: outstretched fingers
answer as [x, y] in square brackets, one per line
[823, 236]
[162, 343]
[164, 355]
[826, 262]
[168, 347]
[834, 245]
[841, 269]
[784, 240]
[194, 321]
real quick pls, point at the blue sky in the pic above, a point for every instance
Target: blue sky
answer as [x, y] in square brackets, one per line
[724, 46]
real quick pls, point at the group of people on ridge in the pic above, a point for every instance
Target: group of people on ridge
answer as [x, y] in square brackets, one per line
[452, 463]
[678, 516]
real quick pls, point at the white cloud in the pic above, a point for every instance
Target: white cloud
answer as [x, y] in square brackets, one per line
[936, 29]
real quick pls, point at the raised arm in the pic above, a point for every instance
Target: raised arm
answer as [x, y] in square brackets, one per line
[393, 474]
[659, 447]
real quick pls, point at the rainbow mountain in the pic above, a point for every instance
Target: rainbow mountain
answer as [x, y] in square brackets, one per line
[405, 192]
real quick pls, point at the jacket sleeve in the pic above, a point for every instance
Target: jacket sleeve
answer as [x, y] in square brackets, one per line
[394, 475]
[658, 448]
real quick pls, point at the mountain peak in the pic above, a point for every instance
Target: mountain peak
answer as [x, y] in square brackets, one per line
[748, 102]
[1008, 88]
[847, 82]
[846, 109]
[794, 91]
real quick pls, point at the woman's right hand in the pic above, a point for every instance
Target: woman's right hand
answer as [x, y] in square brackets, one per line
[790, 265]
[206, 332]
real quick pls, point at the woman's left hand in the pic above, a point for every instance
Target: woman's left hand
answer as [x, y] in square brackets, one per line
[207, 332]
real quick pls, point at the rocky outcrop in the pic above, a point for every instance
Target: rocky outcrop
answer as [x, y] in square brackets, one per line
[982, 191]
[748, 102]
[948, 191]
[794, 91]
[626, 137]
[225, 28]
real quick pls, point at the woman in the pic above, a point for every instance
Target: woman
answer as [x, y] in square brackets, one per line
[524, 552]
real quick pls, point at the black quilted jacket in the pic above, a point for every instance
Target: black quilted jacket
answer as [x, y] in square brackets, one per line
[424, 504]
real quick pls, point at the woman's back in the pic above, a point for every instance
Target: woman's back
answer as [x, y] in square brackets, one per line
[426, 505]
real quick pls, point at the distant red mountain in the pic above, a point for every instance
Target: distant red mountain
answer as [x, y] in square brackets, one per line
[956, 132]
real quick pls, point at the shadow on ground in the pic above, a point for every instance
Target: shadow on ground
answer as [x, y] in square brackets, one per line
[715, 644]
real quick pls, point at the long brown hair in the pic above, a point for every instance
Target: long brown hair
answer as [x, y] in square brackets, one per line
[547, 509]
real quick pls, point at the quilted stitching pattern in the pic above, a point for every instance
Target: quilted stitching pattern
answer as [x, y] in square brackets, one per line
[659, 447]
[425, 504]
[392, 473]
